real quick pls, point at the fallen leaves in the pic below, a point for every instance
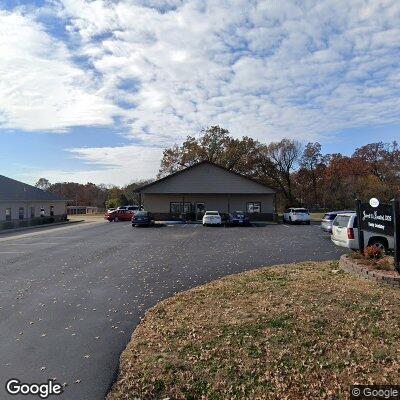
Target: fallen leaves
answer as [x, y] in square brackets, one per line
[297, 331]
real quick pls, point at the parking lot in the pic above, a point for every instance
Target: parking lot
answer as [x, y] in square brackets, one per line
[70, 297]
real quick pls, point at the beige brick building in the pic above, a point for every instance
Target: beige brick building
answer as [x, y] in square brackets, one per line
[23, 205]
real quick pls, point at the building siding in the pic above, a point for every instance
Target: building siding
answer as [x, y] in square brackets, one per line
[207, 178]
[59, 208]
[159, 204]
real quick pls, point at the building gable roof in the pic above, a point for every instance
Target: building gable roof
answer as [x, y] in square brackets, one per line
[12, 190]
[206, 177]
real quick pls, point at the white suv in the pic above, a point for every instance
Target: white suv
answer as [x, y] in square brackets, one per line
[212, 218]
[297, 215]
[345, 234]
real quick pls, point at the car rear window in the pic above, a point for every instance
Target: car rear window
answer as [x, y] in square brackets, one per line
[300, 211]
[212, 213]
[341, 220]
[141, 214]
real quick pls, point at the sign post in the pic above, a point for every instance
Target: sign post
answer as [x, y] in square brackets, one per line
[396, 225]
[360, 231]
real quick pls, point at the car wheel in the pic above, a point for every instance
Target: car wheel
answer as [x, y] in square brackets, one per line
[116, 219]
[379, 243]
[290, 220]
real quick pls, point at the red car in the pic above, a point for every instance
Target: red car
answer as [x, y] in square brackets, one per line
[119, 215]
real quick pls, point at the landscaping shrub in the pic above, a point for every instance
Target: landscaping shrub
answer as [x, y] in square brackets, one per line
[385, 263]
[373, 252]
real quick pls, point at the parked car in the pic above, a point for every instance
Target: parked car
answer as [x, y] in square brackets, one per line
[345, 234]
[297, 216]
[110, 215]
[238, 218]
[143, 218]
[212, 218]
[131, 208]
[119, 215]
[327, 220]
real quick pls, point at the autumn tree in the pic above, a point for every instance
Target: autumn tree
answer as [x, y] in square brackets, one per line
[215, 145]
[276, 163]
[311, 170]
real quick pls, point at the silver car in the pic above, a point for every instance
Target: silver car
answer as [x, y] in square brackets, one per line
[327, 220]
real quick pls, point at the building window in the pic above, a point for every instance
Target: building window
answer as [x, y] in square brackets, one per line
[176, 207]
[52, 211]
[21, 213]
[254, 207]
[8, 214]
[42, 213]
[32, 212]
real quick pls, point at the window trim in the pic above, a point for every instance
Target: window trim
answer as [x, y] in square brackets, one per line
[8, 216]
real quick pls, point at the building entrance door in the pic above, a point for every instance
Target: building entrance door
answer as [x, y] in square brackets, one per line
[200, 210]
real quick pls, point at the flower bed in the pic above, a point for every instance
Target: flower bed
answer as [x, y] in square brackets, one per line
[370, 269]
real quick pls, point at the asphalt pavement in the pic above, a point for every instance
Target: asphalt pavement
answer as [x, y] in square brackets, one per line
[70, 297]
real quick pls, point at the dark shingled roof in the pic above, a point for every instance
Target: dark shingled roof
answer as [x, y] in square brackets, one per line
[12, 190]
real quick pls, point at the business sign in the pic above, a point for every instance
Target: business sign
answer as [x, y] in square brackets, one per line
[377, 218]
[374, 202]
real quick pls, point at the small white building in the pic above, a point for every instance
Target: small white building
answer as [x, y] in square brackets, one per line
[72, 210]
[23, 205]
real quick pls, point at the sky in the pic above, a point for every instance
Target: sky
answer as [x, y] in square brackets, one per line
[95, 90]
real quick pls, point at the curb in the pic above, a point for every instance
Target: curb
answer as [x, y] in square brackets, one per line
[27, 228]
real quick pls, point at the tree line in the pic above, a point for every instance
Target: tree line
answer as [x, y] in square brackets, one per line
[301, 174]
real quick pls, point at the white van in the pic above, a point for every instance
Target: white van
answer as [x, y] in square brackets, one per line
[345, 234]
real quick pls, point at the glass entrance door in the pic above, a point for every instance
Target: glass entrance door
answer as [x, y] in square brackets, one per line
[200, 210]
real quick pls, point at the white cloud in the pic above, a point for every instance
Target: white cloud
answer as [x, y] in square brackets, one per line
[267, 69]
[122, 165]
[40, 87]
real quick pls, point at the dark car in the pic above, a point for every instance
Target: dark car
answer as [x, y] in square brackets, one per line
[143, 218]
[238, 218]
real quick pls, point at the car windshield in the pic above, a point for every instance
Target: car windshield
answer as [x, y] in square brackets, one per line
[238, 214]
[330, 217]
[341, 220]
[300, 211]
[212, 213]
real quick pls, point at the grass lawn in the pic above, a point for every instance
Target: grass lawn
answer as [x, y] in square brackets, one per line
[305, 331]
[86, 217]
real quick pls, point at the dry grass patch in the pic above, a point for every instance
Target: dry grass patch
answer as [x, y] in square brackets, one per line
[289, 332]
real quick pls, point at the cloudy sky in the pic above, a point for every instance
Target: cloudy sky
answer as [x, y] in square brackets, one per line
[95, 90]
